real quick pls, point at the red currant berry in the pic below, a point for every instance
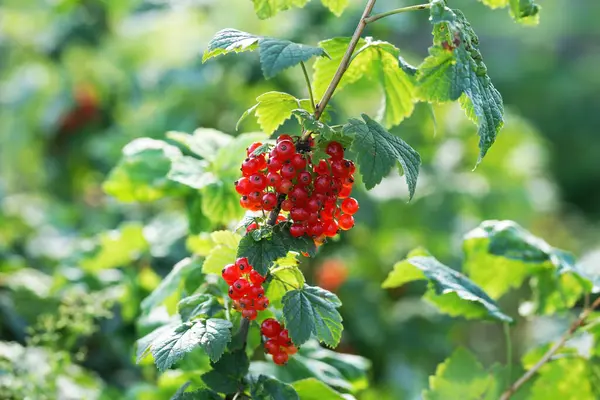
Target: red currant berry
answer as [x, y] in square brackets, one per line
[312, 219]
[230, 273]
[283, 137]
[256, 278]
[284, 338]
[350, 206]
[256, 292]
[330, 228]
[351, 166]
[274, 164]
[299, 214]
[346, 221]
[261, 162]
[255, 197]
[288, 171]
[242, 186]
[339, 170]
[241, 286]
[280, 358]
[251, 227]
[313, 204]
[322, 168]
[297, 230]
[335, 150]
[287, 205]
[298, 161]
[262, 304]
[270, 328]
[285, 149]
[269, 201]
[246, 203]
[304, 178]
[253, 147]
[315, 230]
[290, 350]
[322, 184]
[298, 195]
[280, 218]
[285, 186]
[345, 192]
[258, 181]
[243, 265]
[273, 179]
[272, 347]
[235, 295]
[249, 314]
[246, 303]
[250, 166]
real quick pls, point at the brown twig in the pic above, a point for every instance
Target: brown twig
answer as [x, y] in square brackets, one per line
[566, 336]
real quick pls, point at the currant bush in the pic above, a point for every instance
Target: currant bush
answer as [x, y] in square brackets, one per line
[278, 343]
[245, 288]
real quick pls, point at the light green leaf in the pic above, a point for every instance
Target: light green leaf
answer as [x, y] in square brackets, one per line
[228, 159]
[204, 142]
[312, 389]
[459, 377]
[223, 251]
[268, 8]
[375, 60]
[117, 248]
[171, 283]
[451, 291]
[378, 151]
[285, 278]
[191, 172]
[455, 70]
[564, 379]
[272, 110]
[524, 11]
[220, 203]
[198, 304]
[266, 388]
[171, 346]
[263, 253]
[141, 174]
[336, 6]
[226, 238]
[312, 310]
[144, 344]
[230, 40]
[277, 55]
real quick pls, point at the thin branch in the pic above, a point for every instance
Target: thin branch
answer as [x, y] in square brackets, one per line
[345, 59]
[509, 353]
[309, 86]
[550, 353]
[397, 11]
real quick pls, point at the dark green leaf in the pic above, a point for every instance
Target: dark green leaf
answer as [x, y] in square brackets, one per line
[227, 372]
[262, 253]
[265, 388]
[277, 55]
[378, 151]
[312, 310]
[201, 394]
[310, 123]
[197, 305]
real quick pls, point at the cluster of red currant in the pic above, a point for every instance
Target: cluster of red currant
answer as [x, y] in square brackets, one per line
[245, 288]
[278, 344]
[315, 196]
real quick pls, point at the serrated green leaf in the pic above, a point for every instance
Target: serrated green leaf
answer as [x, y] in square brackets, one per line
[227, 372]
[197, 305]
[141, 174]
[171, 346]
[272, 110]
[455, 70]
[524, 11]
[336, 6]
[312, 389]
[171, 283]
[459, 377]
[451, 291]
[201, 394]
[266, 388]
[144, 344]
[204, 142]
[376, 60]
[310, 123]
[220, 382]
[277, 55]
[220, 203]
[378, 151]
[565, 379]
[191, 172]
[262, 149]
[230, 40]
[285, 278]
[268, 8]
[227, 160]
[222, 253]
[312, 310]
[226, 238]
[262, 253]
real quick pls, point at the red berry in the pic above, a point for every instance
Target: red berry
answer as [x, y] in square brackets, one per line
[322, 184]
[255, 197]
[280, 218]
[246, 303]
[285, 149]
[327, 211]
[339, 169]
[256, 292]
[240, 286]
[350, 206]
[351, 166]
[274, 164]
[251, 227]
[284, 338]
[250, 166]
[270, 328]
[262, 304]
[313, 218]
[230, 273]
[316, 230]
[330, 228]
[345, 192]
[272, 347]
[287, 205]
[256, 278]
[246, 203]
[304, 178]
[249, 314]
[253, 147]
[273, 179]
[313, 204]
[258, 181]
[322, 168]
[285, 186]
[346, 221]
[297, 230]
[280, 358]
[235, 295]
[288, 171]
[335, 150]
[290, 350]
[299, 214]
[269, 201]
[298, 161]
[283, 137]
[243, 265]
[298, 195]
[242, 186]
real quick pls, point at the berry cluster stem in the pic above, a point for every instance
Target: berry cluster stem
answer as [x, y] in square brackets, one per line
[580, 321]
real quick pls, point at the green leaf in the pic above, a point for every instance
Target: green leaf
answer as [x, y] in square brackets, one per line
[204, 142]
[378, 151]
[230, 40]
[228, 159]
[336, 6]
[565, 379]
[262, 253]
[524, 11]
[220, 203]
[455, 70]
[374, 60]
[198, 305]
[222, 253]
[190, 172]
[459, 377]
[310, 123]
[312, 389]
[285, 278]
[116, 248]
[277, 55]
[312, 310]
[227, 372]
[171, 346]
[202, 394]
[451, 291]
[268, 8]
[145, 343]
[272, 110]
[171, 283]
[265, 388]
[141, 174]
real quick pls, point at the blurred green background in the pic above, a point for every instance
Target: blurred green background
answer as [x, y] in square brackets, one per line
[81, 78]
